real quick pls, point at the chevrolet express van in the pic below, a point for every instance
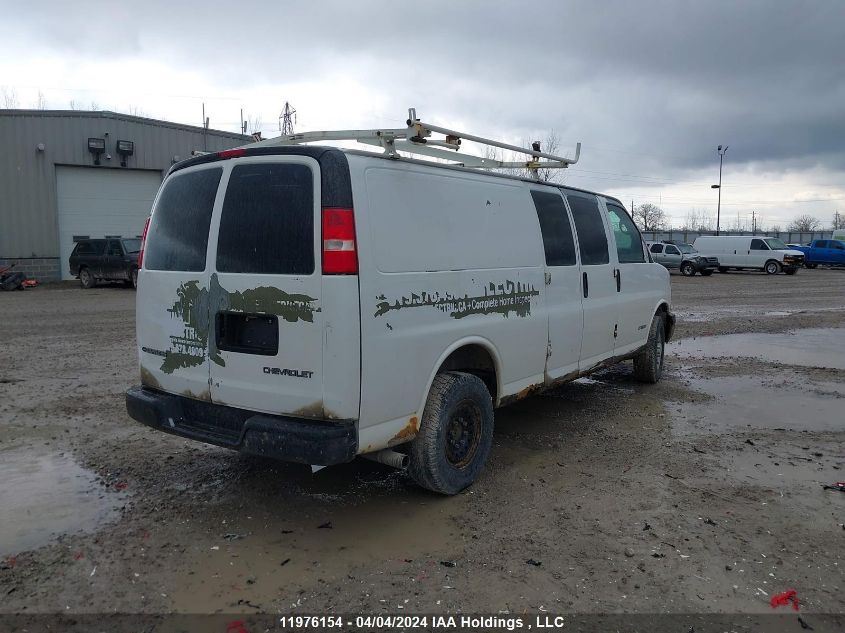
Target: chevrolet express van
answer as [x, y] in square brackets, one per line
[740, 252]
[312, 304]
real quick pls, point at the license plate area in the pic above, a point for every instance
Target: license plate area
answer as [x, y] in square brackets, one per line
[247, 333]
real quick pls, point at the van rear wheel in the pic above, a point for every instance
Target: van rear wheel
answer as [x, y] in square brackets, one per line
[648, 364]
[455, 435]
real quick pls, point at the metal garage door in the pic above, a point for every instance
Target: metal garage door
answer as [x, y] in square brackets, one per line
[97, 202]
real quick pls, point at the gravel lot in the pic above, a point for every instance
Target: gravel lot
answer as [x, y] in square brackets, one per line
[699, 494]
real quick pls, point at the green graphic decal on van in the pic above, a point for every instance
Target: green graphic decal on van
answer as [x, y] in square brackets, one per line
[194, 307]
[501, 299]
[188, 349]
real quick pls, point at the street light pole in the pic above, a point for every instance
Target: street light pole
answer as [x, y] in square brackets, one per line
[719, 186]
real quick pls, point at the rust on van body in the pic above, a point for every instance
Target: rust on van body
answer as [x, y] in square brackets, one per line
[408, 432]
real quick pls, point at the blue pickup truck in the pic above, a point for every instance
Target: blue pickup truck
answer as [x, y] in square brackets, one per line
[827, 252]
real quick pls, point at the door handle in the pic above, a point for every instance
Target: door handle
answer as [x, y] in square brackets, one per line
[618, 274]
[586, 285]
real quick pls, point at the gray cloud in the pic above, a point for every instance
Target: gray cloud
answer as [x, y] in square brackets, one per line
[649, 86]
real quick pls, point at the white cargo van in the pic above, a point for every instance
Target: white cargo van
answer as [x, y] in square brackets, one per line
[740, 252]
[312, 304]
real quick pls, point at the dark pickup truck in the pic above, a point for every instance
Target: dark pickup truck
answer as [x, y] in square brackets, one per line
[111, 259]
[826, 252]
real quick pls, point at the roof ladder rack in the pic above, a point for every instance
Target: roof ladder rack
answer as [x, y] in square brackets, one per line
[417, 139]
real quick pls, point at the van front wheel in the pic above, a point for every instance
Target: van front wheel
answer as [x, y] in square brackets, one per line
[648, 364]
[455, 435]
[772, 267]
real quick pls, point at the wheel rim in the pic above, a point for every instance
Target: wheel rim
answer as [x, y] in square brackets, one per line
[463, 434]
[688, 271]
[85, 276]
[134, 278]
[771, 269]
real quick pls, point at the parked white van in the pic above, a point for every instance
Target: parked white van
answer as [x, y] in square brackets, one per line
[312, 304]
[750, 252]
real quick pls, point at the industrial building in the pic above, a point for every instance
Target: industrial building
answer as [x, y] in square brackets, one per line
[68, 174]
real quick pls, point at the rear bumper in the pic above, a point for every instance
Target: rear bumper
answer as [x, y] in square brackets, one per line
[280, 437]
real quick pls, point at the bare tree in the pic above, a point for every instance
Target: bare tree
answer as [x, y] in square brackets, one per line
[40, 101]
[698, 220]
[649, 217]
[253, 124]
[10, 97]
[804, 223]
[73, 104]
[775, 228]
[95, 106]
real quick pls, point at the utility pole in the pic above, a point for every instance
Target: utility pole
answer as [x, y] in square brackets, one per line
[753, 221]
[287, 119]
[719, 186]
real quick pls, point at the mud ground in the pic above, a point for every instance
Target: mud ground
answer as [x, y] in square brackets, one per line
[700, 494]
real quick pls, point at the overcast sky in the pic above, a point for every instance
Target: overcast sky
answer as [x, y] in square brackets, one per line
[650, 88]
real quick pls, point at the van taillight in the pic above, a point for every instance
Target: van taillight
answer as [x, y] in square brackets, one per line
[340, 256]
[143, 243]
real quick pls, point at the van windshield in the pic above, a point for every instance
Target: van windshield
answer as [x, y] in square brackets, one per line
[775, 244]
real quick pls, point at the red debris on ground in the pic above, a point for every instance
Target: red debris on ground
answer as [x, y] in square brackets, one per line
[120, 485]
[784, 598]
[78, 556]
[237, 626]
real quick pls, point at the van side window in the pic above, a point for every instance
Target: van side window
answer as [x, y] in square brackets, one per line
[178, 235]
[758, 245]
[592, 239]
[267, 225]
[657, 248]
[629, 243]
[555, 228]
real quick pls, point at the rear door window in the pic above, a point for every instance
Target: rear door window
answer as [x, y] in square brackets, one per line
[592, 239]
[84, 248]
[821, 244]
[555, 228]
[629, 243]
[114, 248]
[267, 225]
[178, 235]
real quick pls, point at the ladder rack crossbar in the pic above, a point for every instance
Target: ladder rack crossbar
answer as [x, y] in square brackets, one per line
[416, 139]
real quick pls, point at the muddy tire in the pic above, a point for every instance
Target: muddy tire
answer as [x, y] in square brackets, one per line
[723, 269]
[772, 267]
[806, 265]
[648, 364]
[790, 271]
[132, 282]
[687, 269]
[707, 272]
[86, 279]
[455, 435]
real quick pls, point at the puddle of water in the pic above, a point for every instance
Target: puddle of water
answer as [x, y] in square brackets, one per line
[747, 403]
[45, 495]
[815, 347]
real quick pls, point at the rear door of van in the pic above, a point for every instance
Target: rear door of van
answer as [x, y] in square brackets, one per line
[173, 330]
[265, 287]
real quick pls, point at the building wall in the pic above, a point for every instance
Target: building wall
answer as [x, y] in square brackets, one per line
[28, 206]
